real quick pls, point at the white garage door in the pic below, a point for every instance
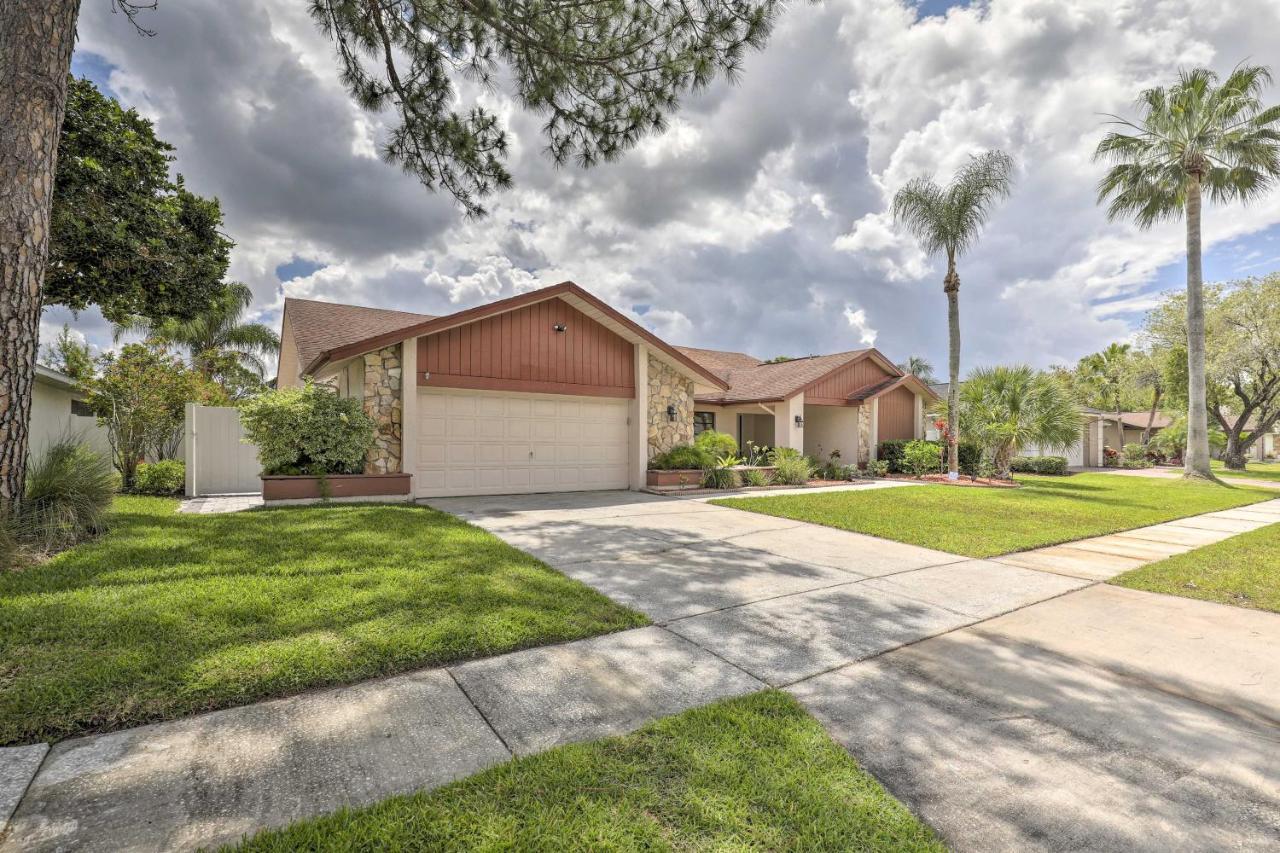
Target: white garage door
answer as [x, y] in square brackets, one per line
[493, 443]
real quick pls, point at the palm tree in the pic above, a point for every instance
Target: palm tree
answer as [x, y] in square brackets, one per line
[948, 219]
[919, 367]
[1106, 375]
[1195, 136]
[1007, 408]
[216, 333]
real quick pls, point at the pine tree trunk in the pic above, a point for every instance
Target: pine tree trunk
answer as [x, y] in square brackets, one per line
[36, 40]
[1197, 458]
[951, 287]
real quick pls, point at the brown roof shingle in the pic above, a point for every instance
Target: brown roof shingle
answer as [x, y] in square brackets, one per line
[764, 382]
[321, 326]
[718, 361]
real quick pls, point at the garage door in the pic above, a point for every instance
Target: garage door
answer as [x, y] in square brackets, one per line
[483, 443]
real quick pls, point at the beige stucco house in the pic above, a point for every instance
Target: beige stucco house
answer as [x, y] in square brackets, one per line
[554, 390]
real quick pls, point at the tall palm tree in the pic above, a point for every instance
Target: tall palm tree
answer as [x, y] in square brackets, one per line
[1106, 375]
[1194, 137]
[216, 332]
[948, 219]
[1007, 408]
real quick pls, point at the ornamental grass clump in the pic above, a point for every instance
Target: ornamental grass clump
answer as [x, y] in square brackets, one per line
[68, 494]
[308, 430]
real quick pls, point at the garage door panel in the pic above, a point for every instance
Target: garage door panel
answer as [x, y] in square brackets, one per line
[495, 443]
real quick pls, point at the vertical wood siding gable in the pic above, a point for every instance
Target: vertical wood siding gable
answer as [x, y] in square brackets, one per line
[897, 415]
[520, 351]
[834, 390]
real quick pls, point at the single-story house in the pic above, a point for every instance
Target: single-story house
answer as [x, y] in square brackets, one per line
[58, 410]
[554, 390]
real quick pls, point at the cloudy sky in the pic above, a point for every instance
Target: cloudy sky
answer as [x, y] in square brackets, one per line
[757, 221]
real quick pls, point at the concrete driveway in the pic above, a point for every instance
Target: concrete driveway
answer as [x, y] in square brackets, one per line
[1011, 708]
[780, 599]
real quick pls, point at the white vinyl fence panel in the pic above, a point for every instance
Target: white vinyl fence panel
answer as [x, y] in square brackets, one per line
[218, 461]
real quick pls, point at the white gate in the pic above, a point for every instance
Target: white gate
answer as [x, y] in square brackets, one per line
[218, 462]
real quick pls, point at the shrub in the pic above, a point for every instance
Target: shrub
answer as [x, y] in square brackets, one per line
[308, 430]
[890, 452]
[682, 456]
[969, 454]
[721, 475]
[1134, 455]
[920, 458]
[716, 443]
[1049, 465]
[878, 468]
[779, 453]
[167, 477]
[68, 495]
[755, 477]
[791, 470]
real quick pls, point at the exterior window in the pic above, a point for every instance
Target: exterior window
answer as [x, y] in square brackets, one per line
[703, 421]
[81, 409]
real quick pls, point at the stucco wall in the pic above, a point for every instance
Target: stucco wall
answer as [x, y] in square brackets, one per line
[51, 420]
[828, 428]
[667, 387]
[383, 400]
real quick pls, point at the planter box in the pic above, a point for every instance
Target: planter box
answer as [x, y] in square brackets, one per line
[692, 476]
[675, 477]
[288, 487]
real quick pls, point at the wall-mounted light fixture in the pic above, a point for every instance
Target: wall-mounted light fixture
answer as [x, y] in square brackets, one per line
[560, 327]
[671, 413]
[800, 421]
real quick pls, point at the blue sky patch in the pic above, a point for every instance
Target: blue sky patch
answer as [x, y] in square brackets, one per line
[298, 268]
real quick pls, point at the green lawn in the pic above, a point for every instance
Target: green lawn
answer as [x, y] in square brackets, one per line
[172, 614]
[981, 522]
[1252, 470]
[755, 773]
[1243, 570]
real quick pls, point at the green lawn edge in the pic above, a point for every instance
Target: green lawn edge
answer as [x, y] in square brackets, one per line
[751, 773]
[1243, 571]
[171, 614]
[986, 522]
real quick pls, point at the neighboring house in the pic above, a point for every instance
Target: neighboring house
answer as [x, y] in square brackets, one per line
[58, 410]
[1133, 425]
[553, 390]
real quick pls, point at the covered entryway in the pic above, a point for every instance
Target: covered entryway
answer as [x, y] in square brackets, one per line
[495, 442]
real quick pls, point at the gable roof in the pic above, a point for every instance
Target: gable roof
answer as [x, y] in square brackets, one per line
[568, 291]
[321, 326]
[720, 362]
[769, 382]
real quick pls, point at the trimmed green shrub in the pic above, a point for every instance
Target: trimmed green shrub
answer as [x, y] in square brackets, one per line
[68, 495]
[970, 456]
[779, 453]
[791, 470]
[716, 443]
[878, 468]
[755, 477]
[167, 477]
[1048, 465]
[920, 458]
[308, 430]
[1134, 455]
[890, 452]
[680, 457]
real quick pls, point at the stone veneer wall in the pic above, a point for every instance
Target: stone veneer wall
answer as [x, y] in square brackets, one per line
[864, 433]
[667, 387]
[383, 400]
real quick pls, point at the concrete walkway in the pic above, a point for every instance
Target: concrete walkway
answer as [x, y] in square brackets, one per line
[741, 600]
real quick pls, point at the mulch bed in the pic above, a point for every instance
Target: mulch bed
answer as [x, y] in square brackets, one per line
[941, 479]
